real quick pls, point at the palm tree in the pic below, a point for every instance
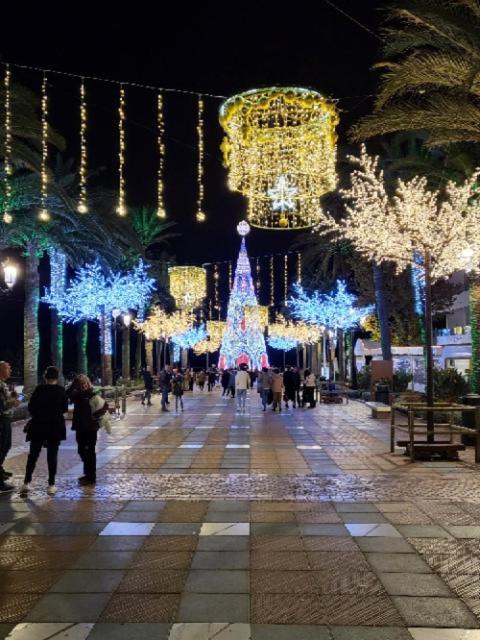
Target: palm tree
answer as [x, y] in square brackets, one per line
[431, 76]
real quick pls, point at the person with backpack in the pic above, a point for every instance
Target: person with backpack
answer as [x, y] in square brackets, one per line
[46, 428]
[178, 388]
[86, 423]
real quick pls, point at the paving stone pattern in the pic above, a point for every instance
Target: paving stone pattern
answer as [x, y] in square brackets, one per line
[213, 524]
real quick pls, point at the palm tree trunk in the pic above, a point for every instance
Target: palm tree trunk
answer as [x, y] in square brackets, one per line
[106, 348]
[341, 354]
[474, 304]
[31, 336]
[149, 354]
[382, 311]
[126, 353]
[81, 340]
[58, 285]
[138, 354]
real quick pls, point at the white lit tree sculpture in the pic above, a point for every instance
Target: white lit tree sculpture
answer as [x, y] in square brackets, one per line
[435, 231]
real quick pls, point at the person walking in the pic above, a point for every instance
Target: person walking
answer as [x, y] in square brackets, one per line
[177, 388]
[164, 383]
[187, 379]
[148, 384]
[242, 383]
[225, 380]
[277, 389]
[297, 383]
[309, 388]
[289, 383]
[46, 427]
[212, 378]
[201, 377]
[264, 386]
[85, 424]
[231, 382]
[8, 401]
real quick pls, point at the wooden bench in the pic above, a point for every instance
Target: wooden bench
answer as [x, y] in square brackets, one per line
[425, 450]
[380, 410]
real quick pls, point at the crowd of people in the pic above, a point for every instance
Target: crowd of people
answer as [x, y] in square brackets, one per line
[50, 401]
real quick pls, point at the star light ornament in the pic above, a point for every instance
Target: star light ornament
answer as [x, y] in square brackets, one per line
[282, 195]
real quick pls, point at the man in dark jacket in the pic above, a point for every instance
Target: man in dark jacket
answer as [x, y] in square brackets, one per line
[46, 427]
[148, 382]
[8, 400]
[164, 381]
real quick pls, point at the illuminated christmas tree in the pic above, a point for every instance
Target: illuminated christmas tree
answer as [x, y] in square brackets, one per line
[243, 341]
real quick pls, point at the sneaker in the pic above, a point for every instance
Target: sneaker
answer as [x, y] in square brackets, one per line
[4, 487]
[52, 490]
[166, 409]
[82, 479]
[25, 488]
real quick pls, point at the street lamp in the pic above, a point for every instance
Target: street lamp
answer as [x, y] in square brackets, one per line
[10, 274]
[127, 318]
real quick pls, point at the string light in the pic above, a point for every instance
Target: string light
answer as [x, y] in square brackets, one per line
[257, 272]
[44, 215]
[216, 277]
[201, 217]
[82, 201]
[161, 212]
[272, 283]
[280, 150]
[230, 275]
[7, 216]
[299, 268]
[285, 278]
[121, 208]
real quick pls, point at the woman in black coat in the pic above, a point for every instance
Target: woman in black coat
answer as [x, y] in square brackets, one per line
[46, 427]
[86, 425]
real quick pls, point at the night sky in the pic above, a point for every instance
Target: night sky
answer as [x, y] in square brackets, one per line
[221, 49]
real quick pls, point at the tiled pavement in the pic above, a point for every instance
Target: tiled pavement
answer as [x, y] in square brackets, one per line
[210, 524]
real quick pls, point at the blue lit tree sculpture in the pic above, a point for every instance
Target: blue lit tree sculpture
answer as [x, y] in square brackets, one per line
[94, 293]
[243, 341]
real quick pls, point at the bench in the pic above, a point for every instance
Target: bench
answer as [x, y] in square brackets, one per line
[425, 450]
[380, 410]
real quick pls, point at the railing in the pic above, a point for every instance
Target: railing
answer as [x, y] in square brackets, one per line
[412, 428]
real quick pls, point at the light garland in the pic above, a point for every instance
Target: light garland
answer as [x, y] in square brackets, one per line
[7, 168]
[121, 208]
[82, 201]
[44, 215]
[161, 212]
[285, 278]
[299, 268]
[216, 277]
[162, 325]
[188, 285]
[285, 335]
[189, 338]
[257, 276]
[280, 149]
[206, 346]
[201, 217]
[272, 282]
[230, 275]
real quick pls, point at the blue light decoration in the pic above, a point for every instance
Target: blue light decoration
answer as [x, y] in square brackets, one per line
[281, 343]
[335, 310]
[243, 341]
[94, 292]
[188, 339]
[418, 284]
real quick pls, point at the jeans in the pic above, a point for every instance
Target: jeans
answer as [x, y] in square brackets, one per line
[86, 442]
[265, 394]
[241, 398]
[178, 401]
[164, 397]
[52, 455]
[232, 391]
[5, 437]
[147, 396]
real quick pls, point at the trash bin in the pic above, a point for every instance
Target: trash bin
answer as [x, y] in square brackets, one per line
[382, 393]
[468, 417]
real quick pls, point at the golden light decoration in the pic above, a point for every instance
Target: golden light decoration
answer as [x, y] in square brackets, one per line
[206, 346]
[121, 208]
[280, 149]
[272, 282]
[82, 200]
[161, 212]
[300, 331]
[299, 268]
[201, 217]
[285, 279]
[188, 285]
[216, 279]
[216, 329]
[7, 150]
[257, 315]
[44, 214]
[162, 325]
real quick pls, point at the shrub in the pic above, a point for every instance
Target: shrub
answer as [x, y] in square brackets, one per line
[449, 385]
[364, 378]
